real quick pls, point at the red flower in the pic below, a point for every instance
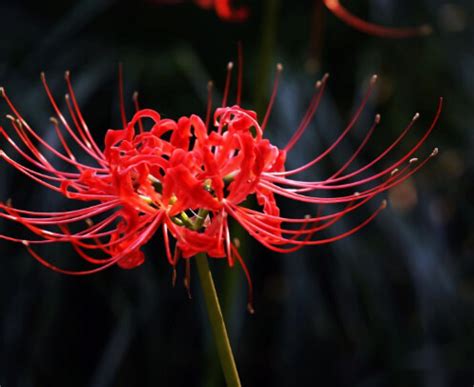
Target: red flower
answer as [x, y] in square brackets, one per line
[187, 179]
[373, 29]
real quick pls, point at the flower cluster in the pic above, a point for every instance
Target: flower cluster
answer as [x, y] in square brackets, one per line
[186, 178]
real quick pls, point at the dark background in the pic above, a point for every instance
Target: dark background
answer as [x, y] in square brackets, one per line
[390, 306]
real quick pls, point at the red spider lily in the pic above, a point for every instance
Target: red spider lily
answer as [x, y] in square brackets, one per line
[187, 179]
[373, 29]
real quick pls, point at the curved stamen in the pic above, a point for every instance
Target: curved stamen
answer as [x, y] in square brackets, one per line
[313, 106]
[279, 69]
[342, 135]
[374, 29]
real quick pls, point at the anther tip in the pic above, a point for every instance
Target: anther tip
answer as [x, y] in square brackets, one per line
[374, 79]
[320, 82]
[53, 120]
[384, 204]
[210, 85]
[236, 242]
[26, 243]
[279, 67]
[394, 172]
[67, 74]
[66, 96]
[307, 216]
[416, 116]
[89, 222]
[413, 160]
[230, 65]
[435, 152]
[250, 308]
[2, 91]
[42, 75]
[377, 118]
[135, 95]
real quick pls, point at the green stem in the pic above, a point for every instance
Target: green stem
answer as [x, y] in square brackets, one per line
[217, 323]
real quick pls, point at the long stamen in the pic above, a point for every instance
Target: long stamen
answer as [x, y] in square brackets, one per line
[228, 78]
[92, 144]
[42, 162]
[420, 142]
[210, 86]
[250, 306]
[187, 277]
[227, 241]
[64, 122]
[20, 123]
[257, 234]
[142, 238]
[49, 265]
[167, 244]
[292, 194]
[279, 69]
[121, 97]
[137, 109]
[345, 132]
[359, 149]
[313, 106]
[55, 123]
[76, 122]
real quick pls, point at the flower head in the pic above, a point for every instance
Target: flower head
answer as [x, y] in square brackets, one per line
[188, 178]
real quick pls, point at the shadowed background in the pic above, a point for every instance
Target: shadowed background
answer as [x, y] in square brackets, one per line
[392, 305]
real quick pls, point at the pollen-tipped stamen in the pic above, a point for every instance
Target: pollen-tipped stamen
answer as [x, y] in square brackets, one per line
[276, 80]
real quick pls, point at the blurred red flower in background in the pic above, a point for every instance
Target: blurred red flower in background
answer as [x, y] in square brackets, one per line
[229, 12]
[373, 29]
[225, 9]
